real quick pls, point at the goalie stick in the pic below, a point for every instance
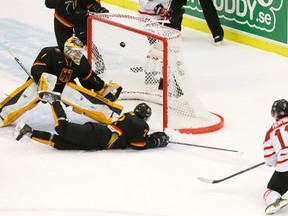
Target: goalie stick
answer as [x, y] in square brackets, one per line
[208, 147]
[21, 64]
[210, 181]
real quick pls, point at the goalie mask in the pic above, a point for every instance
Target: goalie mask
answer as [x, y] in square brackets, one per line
[73, 48]
[279, 109]
[143, 111]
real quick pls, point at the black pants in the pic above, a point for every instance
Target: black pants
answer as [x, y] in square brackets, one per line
[279, 182]
[211, 17]
[63, 32]
[72, 136]
[177, 14]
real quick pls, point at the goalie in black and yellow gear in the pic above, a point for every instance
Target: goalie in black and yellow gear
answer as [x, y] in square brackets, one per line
[66, 65]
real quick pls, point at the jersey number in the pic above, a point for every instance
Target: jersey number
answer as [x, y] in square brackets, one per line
[279, 136]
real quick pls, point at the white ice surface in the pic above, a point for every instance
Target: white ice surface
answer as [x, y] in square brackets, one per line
[238, 82]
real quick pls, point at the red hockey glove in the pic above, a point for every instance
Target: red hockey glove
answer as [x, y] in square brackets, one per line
[160, 10]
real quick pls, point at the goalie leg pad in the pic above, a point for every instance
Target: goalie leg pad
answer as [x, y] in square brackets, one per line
[47, 82]
[90, 103]
[111, 91]
[18, 102]
[96, 115]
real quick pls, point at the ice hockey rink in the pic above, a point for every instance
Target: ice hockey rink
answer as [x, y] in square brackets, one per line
[236, 81]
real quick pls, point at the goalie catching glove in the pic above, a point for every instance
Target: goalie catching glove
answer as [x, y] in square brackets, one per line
[159, 139]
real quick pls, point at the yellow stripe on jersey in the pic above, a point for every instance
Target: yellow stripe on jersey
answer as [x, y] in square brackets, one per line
[43, 55]
[87, 77]
[62, 20]
[116, 129]
[138, 144]
[90, 5]
[37, 63]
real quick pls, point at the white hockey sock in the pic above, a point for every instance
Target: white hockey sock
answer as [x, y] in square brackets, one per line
[270, 196]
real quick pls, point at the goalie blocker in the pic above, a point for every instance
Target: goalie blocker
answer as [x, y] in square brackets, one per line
[81, 100]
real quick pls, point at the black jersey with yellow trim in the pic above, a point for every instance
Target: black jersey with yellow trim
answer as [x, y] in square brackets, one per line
[135, 132]
[52, 60]
[70, 13]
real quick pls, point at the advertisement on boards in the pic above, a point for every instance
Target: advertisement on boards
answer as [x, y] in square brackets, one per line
[265, 18]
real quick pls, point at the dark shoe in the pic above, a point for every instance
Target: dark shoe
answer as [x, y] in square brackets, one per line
[218, 40]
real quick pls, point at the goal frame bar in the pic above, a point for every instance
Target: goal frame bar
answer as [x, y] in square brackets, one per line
[165, 67]
[92, 17]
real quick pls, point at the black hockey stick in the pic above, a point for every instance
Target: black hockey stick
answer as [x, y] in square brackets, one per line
[21, 65]
[208, 147]
[228, 177]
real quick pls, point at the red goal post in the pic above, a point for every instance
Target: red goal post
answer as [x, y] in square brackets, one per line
[145, 58]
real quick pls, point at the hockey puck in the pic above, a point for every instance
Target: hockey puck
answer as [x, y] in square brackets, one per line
[122, 44]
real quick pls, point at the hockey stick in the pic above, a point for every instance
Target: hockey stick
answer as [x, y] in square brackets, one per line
[21, 65]
[228, 177]
[208, 147]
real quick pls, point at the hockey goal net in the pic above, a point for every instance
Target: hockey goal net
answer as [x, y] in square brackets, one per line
[145, 58]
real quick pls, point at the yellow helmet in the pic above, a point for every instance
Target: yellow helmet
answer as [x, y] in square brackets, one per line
[73, 48]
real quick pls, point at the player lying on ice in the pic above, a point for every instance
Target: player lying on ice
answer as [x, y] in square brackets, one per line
[129, 131]
[95, 100]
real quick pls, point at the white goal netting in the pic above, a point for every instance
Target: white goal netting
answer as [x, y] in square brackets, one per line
[145, 58]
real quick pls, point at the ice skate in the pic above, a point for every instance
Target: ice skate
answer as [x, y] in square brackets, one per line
[276, 206]
[49, 96]
[22, 129]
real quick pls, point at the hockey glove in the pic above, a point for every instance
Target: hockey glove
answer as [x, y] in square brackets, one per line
[97, 8]
[102, 10]
[160, 10]
[160, 139]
